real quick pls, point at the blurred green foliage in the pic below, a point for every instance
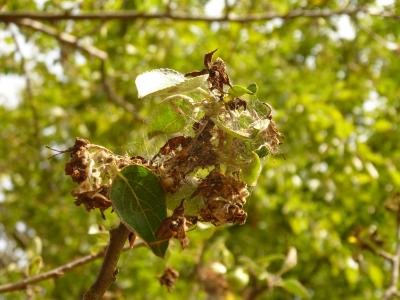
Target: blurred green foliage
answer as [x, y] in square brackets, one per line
[334, 86]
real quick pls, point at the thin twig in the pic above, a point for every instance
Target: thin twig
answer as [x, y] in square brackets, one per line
[391, 46]
[111, 93]
[372, 247]
[108, 271]
[63, 37]
[57, 272]
[134, 15]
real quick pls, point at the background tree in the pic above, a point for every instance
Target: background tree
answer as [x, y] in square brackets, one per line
[329, 69]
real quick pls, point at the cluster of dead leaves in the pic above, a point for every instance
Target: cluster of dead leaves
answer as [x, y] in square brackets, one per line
[94, 167]
[223, 194]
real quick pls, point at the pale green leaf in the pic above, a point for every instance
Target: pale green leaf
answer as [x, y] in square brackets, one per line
[166, 82]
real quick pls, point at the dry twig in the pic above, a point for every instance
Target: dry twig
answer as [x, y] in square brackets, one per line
[57, 272]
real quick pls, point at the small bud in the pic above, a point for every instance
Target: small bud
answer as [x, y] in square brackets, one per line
[290, 261]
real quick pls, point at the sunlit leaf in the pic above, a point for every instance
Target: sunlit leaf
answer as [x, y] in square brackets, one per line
[166, 82]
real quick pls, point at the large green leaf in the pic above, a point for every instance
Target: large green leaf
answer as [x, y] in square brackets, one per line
[139, 200]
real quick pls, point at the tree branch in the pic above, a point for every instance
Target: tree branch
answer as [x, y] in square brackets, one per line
[57, 272]
[62, 37]
[108, 271]
[375, 249]
[134, 15]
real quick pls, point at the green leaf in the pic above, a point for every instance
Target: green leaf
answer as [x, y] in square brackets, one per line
[238, 90]
[262, 109]
[169, 117]
[251, 171]
[262, 151]
[253, 88]
[376, 275]
[35, 265]
[166, 82]
[295, 287]
[139, 200]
